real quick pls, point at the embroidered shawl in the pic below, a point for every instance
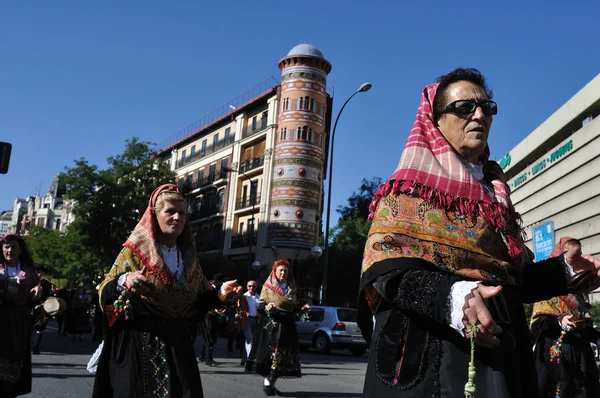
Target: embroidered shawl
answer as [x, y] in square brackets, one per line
[570, 304]
[433, 208]
[273, 293]
[174, 297]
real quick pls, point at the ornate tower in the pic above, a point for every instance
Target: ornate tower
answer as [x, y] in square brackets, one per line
[300, 147]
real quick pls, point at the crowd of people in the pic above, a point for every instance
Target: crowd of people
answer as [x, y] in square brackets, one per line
[445, 275]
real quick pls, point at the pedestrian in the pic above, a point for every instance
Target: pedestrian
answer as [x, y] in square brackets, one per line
[445, 268]
[564, 359]
[152, 297]
[249, 304]
[66, 294]
[275, 349]
[209, 328]
[40, 316]
[77, 321]
[18, 289]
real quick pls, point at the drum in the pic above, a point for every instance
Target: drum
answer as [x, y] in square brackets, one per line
[55, 306]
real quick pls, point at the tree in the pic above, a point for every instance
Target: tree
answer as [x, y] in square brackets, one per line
[110, 202]
[348, 243]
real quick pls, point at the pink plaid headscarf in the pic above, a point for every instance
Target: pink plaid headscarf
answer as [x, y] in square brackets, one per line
[431, 168]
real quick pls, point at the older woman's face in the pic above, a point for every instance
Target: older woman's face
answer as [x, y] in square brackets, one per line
[281, 273]
[468, 134]
[171, 218]
[11, 251]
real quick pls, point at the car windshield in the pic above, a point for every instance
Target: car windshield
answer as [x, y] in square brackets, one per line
[346, 315]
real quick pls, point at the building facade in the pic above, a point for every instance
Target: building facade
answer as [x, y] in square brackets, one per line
[253, 170]
[554, 175]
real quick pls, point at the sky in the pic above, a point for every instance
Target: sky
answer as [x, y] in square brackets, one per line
[78, 78]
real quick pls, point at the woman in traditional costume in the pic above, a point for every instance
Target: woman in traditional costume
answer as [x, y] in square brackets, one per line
[564, 359]
[18, 288]
[152, 297]
[275, 349]
[445, 261]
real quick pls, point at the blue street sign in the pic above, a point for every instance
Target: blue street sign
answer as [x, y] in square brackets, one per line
[543, 241]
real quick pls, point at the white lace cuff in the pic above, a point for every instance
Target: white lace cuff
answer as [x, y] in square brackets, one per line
[121, 282]
[458, 292]
[569, 267]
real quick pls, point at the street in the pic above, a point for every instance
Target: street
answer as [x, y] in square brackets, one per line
[60, 371]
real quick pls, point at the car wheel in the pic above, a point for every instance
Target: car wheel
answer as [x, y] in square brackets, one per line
[358, 351]
[322, 343]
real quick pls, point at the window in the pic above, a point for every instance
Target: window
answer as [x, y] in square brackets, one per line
[285, 105]
[224, 165]
[227, 133]
[253, 191]
[190, 179]
[254, 123]
[283, 134]
[244, 194]
[320, 140]
[241, 229]
[203, 150]
[200, 175]
[58, 224]
[312, 104]
[347, 315]
[251, 225]
[212, 171]
[300, 103]
[306, 103]
[193, 151]
[298, 132]
[310, 136]
[183, 155]
[305, 133]
[221, 201]
[215, 140]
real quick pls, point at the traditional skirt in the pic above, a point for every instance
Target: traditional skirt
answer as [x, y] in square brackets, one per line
[15, 350]
[275, 349]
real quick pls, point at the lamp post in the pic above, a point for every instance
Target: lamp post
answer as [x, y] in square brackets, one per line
[363, 88]
[253, 200]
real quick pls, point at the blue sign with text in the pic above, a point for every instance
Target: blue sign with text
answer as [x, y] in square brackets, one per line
[543, 241]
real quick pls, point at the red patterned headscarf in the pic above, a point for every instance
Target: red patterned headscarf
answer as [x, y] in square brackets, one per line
[143, 241]
[273, 293]
[272, 283]
[431, 168]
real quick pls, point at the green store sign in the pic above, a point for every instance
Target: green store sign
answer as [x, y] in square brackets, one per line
[541, 165]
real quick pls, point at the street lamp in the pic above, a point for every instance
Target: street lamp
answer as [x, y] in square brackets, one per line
[250, 232]
[362, 89]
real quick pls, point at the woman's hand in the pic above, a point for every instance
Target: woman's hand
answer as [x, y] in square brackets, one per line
[137, 283]
[306, 307]
[476, 313]
[579, 262]
[35, 291]
[269, 306]
[566, 322]
[232, 287]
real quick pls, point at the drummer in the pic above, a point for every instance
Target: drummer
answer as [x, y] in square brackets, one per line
[40, 315]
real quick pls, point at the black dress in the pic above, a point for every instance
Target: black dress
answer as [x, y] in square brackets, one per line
[149, 356]
[576, 373]
[275, 349]
[415, 353]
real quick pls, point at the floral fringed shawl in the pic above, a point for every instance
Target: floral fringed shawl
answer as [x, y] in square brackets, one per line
[273, 293]
[175, 298]
[434, 209]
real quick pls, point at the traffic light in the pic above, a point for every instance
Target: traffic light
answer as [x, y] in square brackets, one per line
[5, 149]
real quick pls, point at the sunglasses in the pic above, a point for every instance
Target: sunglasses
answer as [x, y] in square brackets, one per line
[467, 107]
[249, 286]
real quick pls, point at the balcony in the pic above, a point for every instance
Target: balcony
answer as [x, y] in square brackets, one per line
[238, 241]
[205, 244]
[247, 202]
[210, 149]
[251, 164]
[205, 212]
[204, 182]
[251, 130]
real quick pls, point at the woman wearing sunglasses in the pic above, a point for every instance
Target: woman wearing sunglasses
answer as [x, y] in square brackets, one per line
[445, 269]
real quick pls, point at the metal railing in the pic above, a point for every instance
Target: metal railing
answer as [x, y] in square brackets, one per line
[221, 113]
[247, 202]
[212, 243]
[251, 164]
[187, 187]
[242, 240]
[251, 130]
[225, 142]
[206, 210]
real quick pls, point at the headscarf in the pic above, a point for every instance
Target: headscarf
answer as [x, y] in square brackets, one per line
[273, 293]
[25, 257]
[432, 208]
[570, 304]
[175, 297]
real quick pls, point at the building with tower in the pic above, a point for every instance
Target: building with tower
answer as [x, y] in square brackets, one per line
[253, 170]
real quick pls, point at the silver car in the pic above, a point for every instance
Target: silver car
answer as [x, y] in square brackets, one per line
[331, 327]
